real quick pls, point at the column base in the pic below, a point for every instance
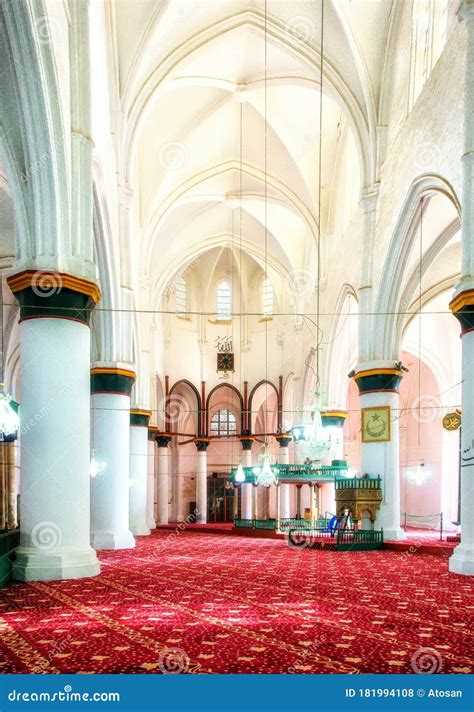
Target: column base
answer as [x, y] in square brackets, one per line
[161, 522]
[140, 529]
[394, 534]
[151, 524]
[201, 519]
[32, 565]
[112, 540]
[462, 561]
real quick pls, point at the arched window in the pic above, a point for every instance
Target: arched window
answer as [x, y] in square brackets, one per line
[429, 30]
[181, 296]
[223, 423]
[224, 300]
[267, 297]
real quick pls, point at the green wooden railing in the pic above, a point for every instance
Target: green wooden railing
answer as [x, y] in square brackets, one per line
[286, 524]
[297, 473]
[255, 523]
[348, 538]
[360, 483]
[342, 540]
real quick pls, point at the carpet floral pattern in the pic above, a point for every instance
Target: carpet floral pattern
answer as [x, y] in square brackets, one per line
[197, 603]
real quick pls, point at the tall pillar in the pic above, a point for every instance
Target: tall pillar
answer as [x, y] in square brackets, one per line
[333, 423]
[299, 513]
[111, 386]
[284, 459]
[462, 306]
[201, 479]
[272, 501]
[302, 492]
[312, 512]
[162, 478]
[55, 428]
[150, 490]
[246, 507]
[378, 384]
[139, 419]
[263, 502]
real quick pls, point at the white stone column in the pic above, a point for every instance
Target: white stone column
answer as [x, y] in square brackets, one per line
[378, 384]
[462, 560]
[284, 459]
[272, 501]
[111, 386]
[303, 492]
[333, 423]
[139, 419]
[201, 480]
[150, 490]
[246, 506]
[55, 430]
[162, 478]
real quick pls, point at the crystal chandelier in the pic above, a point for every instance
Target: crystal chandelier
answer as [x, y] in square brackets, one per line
[266, 475]
[240, 474]
[318, 445]
[9, 421]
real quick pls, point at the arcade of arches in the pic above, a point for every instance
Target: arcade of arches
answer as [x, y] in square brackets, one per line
[215, 230]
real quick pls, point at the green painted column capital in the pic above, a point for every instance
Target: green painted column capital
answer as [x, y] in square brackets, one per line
[163, 439]
[202, 444]
[247, 442]
[284, 439]
[336, 418]
[112, 379]
[375, 380]
[46, 294]
[139, 417]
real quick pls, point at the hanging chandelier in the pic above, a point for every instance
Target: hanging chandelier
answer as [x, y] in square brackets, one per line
[240, 474]
[266, 475]
[9, 420]
[317, 442]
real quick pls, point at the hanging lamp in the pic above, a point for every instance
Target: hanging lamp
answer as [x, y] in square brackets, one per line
[266, 475]
[240, 474]
[9, 420]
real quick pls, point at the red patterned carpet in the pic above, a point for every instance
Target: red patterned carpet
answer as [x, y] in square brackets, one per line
[200, 603]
